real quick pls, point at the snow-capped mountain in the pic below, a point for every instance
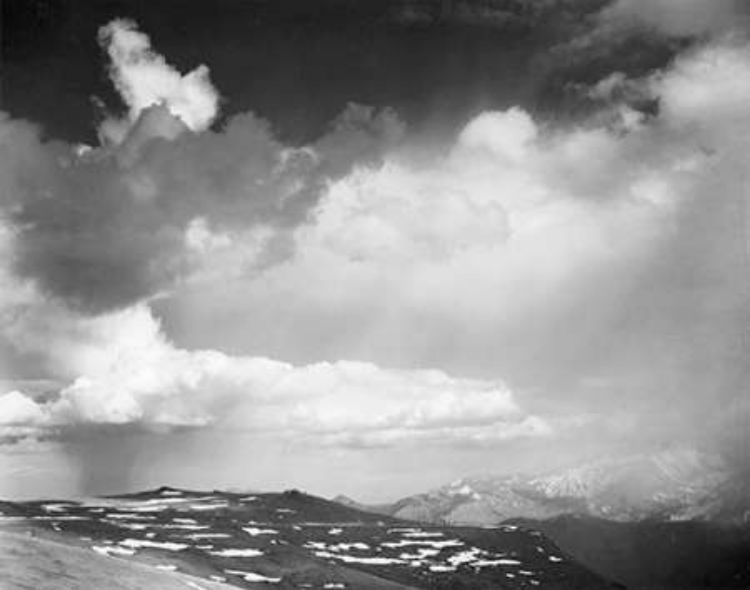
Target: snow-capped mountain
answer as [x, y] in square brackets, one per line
[675, 484]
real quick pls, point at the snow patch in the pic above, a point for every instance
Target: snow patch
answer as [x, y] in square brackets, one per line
[422, 534]
[253, 577]
[55, 507]
[107, 550]
[203, 507]
[237, 553]
[129, 516]
[495, 562]
[169, 546]
[254, 531]
[435, 544]
[362, 560]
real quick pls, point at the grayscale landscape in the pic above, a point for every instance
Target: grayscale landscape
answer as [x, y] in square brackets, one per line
[439, 294]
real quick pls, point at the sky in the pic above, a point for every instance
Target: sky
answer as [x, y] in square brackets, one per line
[368, 247]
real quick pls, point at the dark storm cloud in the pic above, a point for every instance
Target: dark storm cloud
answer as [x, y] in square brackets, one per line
[101, 235]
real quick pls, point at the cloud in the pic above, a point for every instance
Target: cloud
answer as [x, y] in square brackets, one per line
[144, 79]
[632, 38]
[119, 369]
[688, 91]
[104, 228]
[129, 373]
[679, 17]
[19, 410]
[554, 255]
[505, 233]
[544, 253]
[20, 418]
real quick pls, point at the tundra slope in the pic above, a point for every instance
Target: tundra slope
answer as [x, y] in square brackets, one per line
[41, 564]
[294, 540]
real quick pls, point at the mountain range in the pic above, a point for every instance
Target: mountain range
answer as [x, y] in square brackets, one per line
[671, 485]
[672, 520]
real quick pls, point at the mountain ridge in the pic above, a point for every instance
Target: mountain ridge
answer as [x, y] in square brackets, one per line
[296, 540]
[674, 484]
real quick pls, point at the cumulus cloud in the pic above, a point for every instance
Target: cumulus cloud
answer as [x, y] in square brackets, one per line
[19, 410]
[689, 96]
[546, 254]
[120, 369]
[129, 373]
[143, 79]
[104, 228]
[552, 255]
[512, 217]
[20, 418]
[505, 233]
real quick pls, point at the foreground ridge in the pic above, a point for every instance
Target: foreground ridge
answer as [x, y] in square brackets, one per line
[295, 540]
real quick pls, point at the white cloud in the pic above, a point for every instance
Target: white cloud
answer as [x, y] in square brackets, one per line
[144, 79]
[706, 93]
[511, 222]
[18, 410]
[530, 251]
[507, 135]
[517, 241]
[514, 224]
[21, 418]
[128, 373]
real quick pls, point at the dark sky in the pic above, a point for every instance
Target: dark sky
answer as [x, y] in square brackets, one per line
[298, 63]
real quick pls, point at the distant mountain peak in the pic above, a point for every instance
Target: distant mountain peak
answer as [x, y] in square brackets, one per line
[674, 483]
